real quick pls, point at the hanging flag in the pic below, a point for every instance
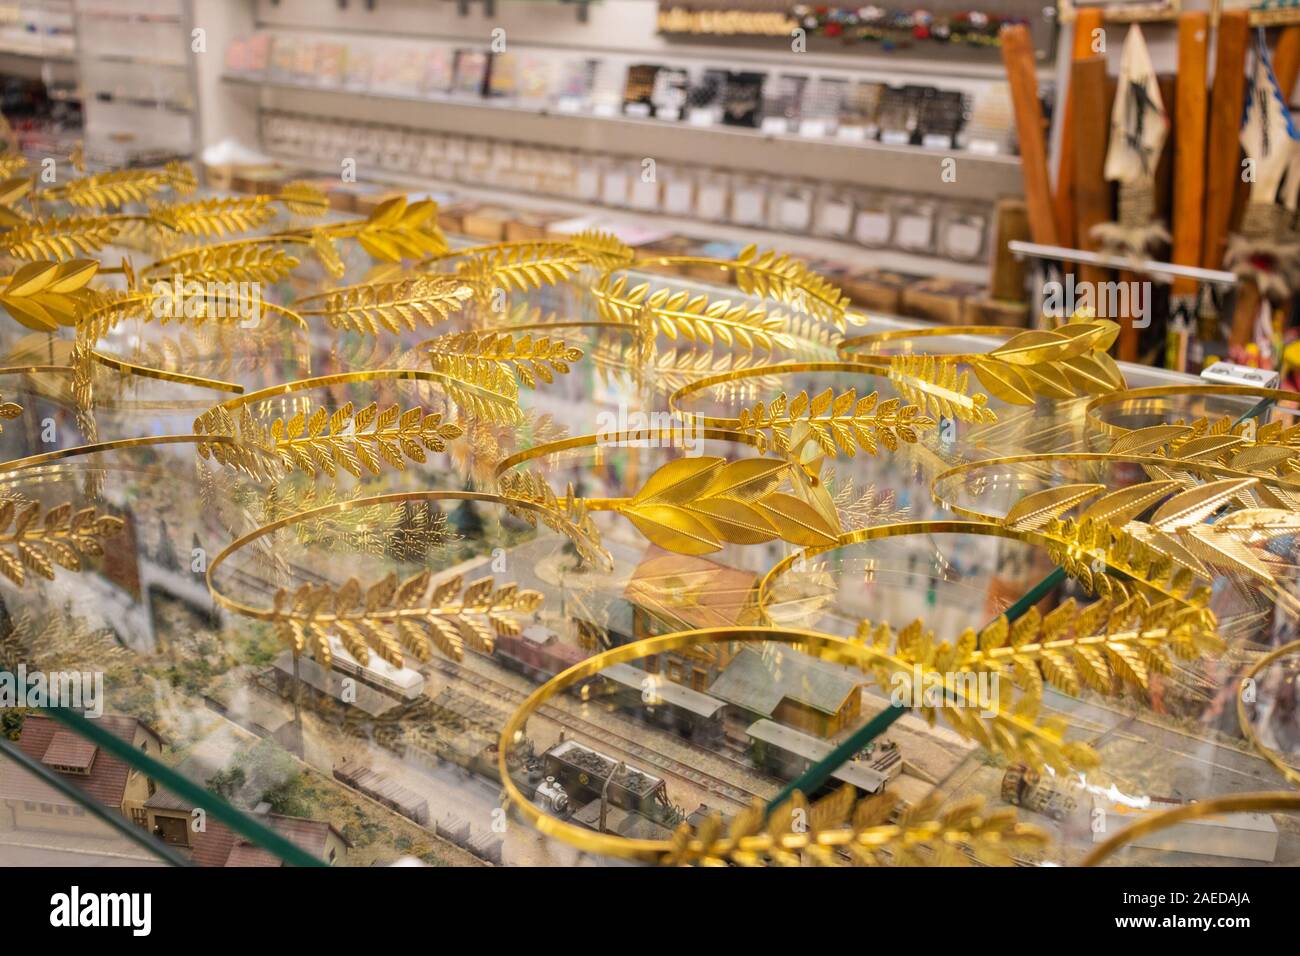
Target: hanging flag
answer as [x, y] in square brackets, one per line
[1264, 251]
[1267, 134]
[1139, 126]
[1138, 121]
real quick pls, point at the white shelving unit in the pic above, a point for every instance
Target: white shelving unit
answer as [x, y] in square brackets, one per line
[137, 76]
[869, 164]
[147, 94]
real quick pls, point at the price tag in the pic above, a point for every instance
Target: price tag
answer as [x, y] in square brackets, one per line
[963, 240]
[852, 134]
[568, 104]
[614, 189]
[645, 195]
[1229, 373]
[914, 232]
[871, 228]
[712, 203]
[775, 124]
[814, 128]
[605, 110]
[700, 118]
[588, 183]
[984, 147]
[835, 218]
[747, 210]
[896, 137]
[637, 110]
[936, 141]
[795, 213]
[678, 197]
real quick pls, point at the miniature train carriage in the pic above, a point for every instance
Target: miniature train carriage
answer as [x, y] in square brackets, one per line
[787, 753]
[537, 652]
[694, 715]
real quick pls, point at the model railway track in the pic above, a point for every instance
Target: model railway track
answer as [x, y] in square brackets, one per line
[651, 758]
[713, 784]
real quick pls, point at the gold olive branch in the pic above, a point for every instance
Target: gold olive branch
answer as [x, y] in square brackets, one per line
[530, 359]
[840, 422]
[841, 827]
[693, 318]
[1127, 639]
[391, 616]
[119, 187]
[569, 516]
[1059, 364]
[61, 538]
[789, 281]
[370, 307]
[393, 231]
[1175, 452]
[937, 386]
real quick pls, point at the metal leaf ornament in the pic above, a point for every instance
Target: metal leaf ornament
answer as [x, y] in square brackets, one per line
[61, 238]
[1058, 364]
[394, 616]
[1112, 643]
[841, 829]
[1186, 454]
[9, 410]
[36, 543]
[345, 440]
[394, 306]
[528, 359]
[1108, 534]
[772, 275]
[534, 265]
[681, 315]
[568, 516]
[911, 661]
[834, 423]
[396, 230]
[696, 505]
[48, 295]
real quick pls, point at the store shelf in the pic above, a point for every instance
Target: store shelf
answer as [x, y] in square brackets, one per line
[805, 247]
[37, 53]
[872, 165]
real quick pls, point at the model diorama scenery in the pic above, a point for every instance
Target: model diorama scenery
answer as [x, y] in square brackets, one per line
[648, 433]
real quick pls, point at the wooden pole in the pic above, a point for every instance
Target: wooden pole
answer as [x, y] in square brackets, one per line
[1092, 193]
[1286, 61]
[1018, 58]
[1223, 157]
[1085, 23]
[1191, 107]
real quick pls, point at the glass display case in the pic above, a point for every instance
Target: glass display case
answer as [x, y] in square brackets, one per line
[548, 553]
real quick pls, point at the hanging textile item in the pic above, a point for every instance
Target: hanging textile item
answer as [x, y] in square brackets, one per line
[1265, 251]
[1139, 126]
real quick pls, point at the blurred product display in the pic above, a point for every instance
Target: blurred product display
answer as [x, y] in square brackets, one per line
[724, 433]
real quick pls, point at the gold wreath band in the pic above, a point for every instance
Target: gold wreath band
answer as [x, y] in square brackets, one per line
[1101, 426]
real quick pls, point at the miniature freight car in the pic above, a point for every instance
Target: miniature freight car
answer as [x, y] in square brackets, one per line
[383, 790]
[584, 773]
[605, 795]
